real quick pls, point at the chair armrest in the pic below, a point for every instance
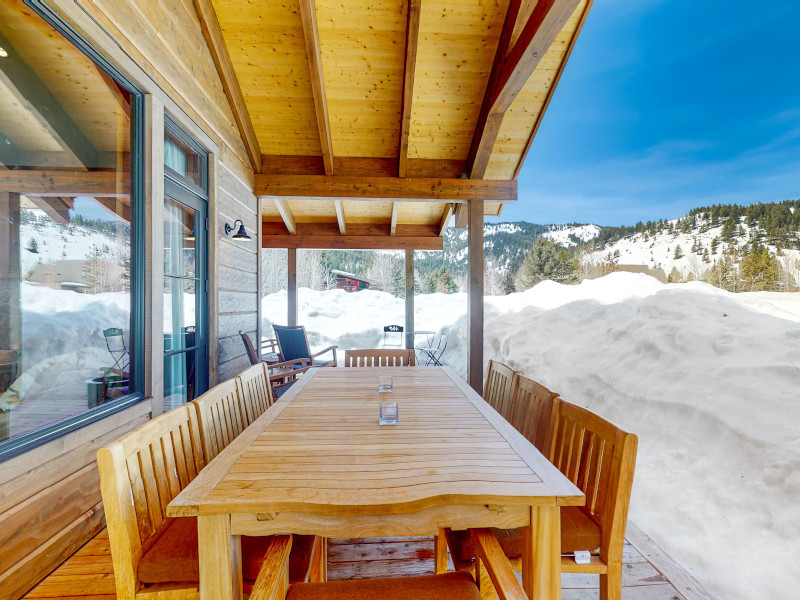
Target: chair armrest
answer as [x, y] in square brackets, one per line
[497, 565]
[273, 578]
[328, 349]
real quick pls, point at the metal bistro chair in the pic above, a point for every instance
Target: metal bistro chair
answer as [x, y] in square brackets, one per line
[393, 336]
[432, 353]
[115, 342]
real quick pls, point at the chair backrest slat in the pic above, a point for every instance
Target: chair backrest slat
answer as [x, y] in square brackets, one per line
[220, 415]
[255, 392]
[598, 458]
[379, 358]
[497, 391]
[530, 409]
[139, 475]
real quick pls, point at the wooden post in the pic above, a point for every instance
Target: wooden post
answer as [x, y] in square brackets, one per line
[291, 319]
[409, 299]
[10, 315]
[475, 296]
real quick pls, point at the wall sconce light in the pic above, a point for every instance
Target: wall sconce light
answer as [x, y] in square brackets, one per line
[239, 235]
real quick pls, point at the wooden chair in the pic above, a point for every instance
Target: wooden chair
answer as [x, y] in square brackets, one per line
[255, 391]
[599, 458]
[497, 391]
[280, 375]
[272, 582]
[531, 409]
[293, 344]
[221, 416]
[379, 358]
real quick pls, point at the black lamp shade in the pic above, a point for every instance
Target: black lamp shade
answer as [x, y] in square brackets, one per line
[239, 235]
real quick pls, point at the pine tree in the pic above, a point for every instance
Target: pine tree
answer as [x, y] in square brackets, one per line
[678, 252]
[547, 260]
[33, 246]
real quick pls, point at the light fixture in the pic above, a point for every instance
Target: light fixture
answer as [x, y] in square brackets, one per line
[239, 235]
[3, 53]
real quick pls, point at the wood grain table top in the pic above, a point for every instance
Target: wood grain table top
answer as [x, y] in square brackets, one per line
[320, 449]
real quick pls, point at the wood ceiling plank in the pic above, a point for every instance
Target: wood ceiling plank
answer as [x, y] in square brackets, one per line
[308, 12]
[361, 166]
[412, 40]
[230, 83]
[512, 72]
[420, 188]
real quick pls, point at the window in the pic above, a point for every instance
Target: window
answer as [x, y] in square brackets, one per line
[70, 326]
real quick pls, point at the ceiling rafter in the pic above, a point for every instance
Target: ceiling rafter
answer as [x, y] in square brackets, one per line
[446, 214]
[412, 39]
[393, 222]
[308, 13]
[31, 92]
[212, 32]
[340, 219]
[511, 72]
[286, 214]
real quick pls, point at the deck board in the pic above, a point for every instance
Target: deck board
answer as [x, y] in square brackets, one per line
[88, 574]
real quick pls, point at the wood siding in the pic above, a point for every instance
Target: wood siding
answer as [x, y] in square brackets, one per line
[50, 501]
[236, 276]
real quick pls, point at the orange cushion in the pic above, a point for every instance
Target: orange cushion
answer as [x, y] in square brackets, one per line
[578, 532]
[449, 586]
[174, 556]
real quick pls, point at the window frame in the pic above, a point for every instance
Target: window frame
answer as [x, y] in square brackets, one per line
[27, 441]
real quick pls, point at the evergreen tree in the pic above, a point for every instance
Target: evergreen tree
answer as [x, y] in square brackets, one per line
[547, 260]
[678, 252]
[759, 270]
[33, 246]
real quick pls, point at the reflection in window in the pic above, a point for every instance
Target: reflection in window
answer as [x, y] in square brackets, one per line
[65, 229]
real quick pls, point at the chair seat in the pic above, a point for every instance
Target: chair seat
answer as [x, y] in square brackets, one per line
[174, 556]
[449, 586]
[578, 532]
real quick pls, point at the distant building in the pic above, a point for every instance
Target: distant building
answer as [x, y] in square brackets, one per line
[657, 273]
[61, 274]
[351, 283]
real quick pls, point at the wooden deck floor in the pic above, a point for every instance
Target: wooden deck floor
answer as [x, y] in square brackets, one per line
[88, 574]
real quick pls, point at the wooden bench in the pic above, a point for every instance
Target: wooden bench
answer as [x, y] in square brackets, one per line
[380, 358]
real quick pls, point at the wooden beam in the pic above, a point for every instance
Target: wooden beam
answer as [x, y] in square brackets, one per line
[55, 207]
[448, 212]
[340, 216]
[552, 88]
[409, 298]
[62, 183]
[358, 166]
[462, 216]
[412, 39]
[212, 32]
[286, 215]
[393, 224]
[475, 295]
[387, 188]
[291, 287]
[25, 85]
[360, 237]
[510, 75]
[308, 13]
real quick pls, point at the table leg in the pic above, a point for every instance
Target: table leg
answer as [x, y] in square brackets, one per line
[541, 554]
[440, 552]
[220, 555]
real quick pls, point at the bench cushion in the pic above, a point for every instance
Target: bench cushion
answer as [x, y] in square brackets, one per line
[578, 532]
[449, 586]
[174, 556]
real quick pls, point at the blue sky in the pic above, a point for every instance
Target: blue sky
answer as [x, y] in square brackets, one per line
[666, 105]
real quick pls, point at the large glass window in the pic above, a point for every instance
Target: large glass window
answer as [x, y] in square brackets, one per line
[68, 273]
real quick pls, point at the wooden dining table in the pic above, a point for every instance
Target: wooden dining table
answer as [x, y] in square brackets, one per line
[317, 462]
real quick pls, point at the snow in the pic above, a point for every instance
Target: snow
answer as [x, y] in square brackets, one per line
[707, 379]
[562, 234]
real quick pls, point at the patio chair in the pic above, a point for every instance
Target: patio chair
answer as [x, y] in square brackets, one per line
[255, 391]
[272, 581]
[293, 344]
[498, 388]
[432, 352]
[379, 358]
[221, 417]
[599, 458]
[281, 375]
[115, 342]
[531, 410]
[393, 336]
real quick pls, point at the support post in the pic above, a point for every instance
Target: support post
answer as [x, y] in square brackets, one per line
[475, 296]
[409, 299]
[10, 315]
[291, 294]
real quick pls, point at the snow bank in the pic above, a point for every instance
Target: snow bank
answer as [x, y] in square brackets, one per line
[707, 379]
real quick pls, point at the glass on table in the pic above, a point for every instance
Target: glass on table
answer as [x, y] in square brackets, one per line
[388, 414]
[385, 383]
